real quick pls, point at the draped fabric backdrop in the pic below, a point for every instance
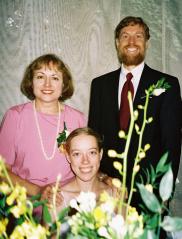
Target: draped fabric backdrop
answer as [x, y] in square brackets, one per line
[81, 33]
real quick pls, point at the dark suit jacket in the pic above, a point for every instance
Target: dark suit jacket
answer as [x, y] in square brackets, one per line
[163, 134]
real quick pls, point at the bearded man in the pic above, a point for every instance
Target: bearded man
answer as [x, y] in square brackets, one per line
[108, 113]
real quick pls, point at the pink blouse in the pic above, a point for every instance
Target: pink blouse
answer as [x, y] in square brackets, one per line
[20, 143]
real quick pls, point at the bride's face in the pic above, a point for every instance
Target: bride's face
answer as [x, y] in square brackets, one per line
[84, 156]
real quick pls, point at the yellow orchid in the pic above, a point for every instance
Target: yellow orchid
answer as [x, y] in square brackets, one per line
[19, 209]
[3, 224]
[18, 193]
[5, 188]
[100, 217]
[29, 231]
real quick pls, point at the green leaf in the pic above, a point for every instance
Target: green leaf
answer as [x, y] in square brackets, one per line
[62, 136]
[153, 175]
[39, 203]
[160, 83]
[3, 202]
[161, 163]
[164, 169]
[20, 220]
[35, 197]
[46, 215]
[172, 224]
[63, 213]
[148, 234]
[152, 222]
[166, 185]
[149, 199]
[148, 175]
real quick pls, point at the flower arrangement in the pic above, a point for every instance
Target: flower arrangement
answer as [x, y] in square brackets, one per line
[16, 211]
[97, 219]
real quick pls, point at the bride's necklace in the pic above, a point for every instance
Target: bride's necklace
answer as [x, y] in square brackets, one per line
[40, 136]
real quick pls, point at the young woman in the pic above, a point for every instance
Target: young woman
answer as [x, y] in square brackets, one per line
[84, 153]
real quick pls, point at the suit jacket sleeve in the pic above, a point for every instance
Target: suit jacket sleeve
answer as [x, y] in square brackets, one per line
[94, 117]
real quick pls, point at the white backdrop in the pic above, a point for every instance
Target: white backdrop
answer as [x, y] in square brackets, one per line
[81, 33]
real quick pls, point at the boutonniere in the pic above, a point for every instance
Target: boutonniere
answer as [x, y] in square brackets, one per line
[61, 139]
[158, 89]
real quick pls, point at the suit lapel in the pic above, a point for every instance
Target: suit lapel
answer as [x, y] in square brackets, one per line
[114, 89]
[144, 84]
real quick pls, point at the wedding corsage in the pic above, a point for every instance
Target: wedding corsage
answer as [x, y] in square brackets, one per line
[61, 139]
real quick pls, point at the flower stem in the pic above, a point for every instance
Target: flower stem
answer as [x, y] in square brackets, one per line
[54, 207]
[126, 153]
[137, 159]
[158, 228]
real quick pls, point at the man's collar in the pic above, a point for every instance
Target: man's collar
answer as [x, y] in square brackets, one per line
[134, 71]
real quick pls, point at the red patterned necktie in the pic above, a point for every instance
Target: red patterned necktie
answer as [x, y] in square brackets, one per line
[124, 106]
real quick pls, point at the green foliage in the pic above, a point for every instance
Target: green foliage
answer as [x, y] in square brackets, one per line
[63, 213]
[62, 136]
[46, 215]
[171, 224]
[162, 84]
[162, 165]
[152, 222]
[156, 206]
[149, 199]
[166, 185]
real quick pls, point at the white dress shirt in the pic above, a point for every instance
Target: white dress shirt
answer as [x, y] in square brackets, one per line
[136, 72]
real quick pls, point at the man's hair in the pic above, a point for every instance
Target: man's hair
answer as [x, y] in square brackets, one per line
[131, 21]
[52, 62]
[83, 131]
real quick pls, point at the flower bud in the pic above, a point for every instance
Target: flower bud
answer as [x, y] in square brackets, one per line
[116, 182]
[150, 120]
[142, 155]
[137, 128]
[122, 134]
[136, 168]
[149, 187]
[117, 165]
[140, 107]
[147, 147]
[112, 153]
[136, 114]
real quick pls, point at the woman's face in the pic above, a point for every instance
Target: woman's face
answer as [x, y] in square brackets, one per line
[47, 84]
[84, 157]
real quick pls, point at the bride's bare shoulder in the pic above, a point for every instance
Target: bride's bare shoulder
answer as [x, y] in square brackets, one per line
[70, 188]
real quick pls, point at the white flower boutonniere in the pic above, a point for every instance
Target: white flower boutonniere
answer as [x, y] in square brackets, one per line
[158, 92]
[159, 88]
[156, 89]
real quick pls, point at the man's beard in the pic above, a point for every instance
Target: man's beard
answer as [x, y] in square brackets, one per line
[130, 60]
